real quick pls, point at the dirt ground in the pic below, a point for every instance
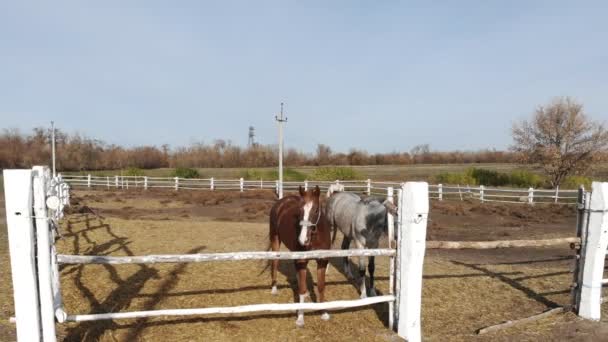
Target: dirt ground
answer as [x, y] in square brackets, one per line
[463, 290]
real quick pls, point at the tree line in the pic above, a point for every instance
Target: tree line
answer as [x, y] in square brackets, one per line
[76, 152]
[559, 137]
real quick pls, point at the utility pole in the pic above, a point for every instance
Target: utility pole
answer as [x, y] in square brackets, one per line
[53, 147]
[280, 119]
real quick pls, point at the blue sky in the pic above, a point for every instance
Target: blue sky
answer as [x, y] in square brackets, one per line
[376, 75]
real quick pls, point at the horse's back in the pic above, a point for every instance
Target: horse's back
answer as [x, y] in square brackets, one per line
[342, 210]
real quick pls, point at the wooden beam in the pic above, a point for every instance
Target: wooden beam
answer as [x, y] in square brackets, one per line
[500, 244]
[170, 258]
[508, 324]
[335, 305]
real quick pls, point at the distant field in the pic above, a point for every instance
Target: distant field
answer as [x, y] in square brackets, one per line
[376, 172]
[424, 172]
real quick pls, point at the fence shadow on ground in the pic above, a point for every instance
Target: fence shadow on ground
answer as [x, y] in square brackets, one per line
[516, 282]
[126, 289]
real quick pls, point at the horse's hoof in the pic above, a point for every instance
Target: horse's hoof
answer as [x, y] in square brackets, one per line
[300, 322]
[325, 316]
[274, 291]
[372, 293]
[363, 295]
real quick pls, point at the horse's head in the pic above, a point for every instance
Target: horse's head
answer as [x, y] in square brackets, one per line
[310, 215]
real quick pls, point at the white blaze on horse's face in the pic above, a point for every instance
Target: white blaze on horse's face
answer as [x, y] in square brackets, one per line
[305, 221]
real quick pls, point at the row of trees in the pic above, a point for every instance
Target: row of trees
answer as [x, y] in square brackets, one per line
[76, 152]
[559, 137]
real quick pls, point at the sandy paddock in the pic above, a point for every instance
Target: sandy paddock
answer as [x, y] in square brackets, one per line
[462, 290]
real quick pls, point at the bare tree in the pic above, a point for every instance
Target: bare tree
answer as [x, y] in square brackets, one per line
[561, 138]
[323, 154]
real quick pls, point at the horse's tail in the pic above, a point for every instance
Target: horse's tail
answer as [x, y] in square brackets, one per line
[268, 262]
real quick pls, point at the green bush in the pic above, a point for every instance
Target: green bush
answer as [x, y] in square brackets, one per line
[525, 179]
[464, 178]
[573, 182]
[133, 171]
[335, 173]
[289, 175]
[488, 177]
[476, 176]
[184, 172]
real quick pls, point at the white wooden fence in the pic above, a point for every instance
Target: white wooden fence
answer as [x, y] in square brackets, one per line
[31, 201]
[34, 203]
[378, 188]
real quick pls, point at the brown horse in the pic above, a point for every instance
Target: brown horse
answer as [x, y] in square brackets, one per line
[299, 223]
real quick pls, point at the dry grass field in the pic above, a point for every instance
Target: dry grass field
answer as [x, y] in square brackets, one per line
[376, 172]
[462, 290]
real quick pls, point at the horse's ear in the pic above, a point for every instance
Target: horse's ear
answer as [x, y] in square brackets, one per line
[391, 208]
[301, 190]
[316, 191]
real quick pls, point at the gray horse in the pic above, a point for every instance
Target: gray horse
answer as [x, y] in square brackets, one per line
[362, 220]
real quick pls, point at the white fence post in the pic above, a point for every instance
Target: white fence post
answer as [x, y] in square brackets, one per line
[530, 195]
[391, 262]
[440, 190]
[369, 187]
[276, 187]
[241, 184]
[145, 182]
[261, 183]
[19, 200]
[116, 181]
[481, 191]
[43, 246]
[176, 183]
[306, 185]
[108, 182]
[89, 180]
[211, 184]
[413, 216]
[556, 193]
[594, 253]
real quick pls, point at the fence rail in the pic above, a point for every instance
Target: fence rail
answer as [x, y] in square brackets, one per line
[375, 188]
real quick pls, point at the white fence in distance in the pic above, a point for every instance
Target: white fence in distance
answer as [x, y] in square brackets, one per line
[38, 298]
[377, 188]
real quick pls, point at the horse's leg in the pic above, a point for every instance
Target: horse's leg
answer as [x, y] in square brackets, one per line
[371, 267]
[302, 289]
[275, 244]
[346, 263]
[321, 265]
[362, 261]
